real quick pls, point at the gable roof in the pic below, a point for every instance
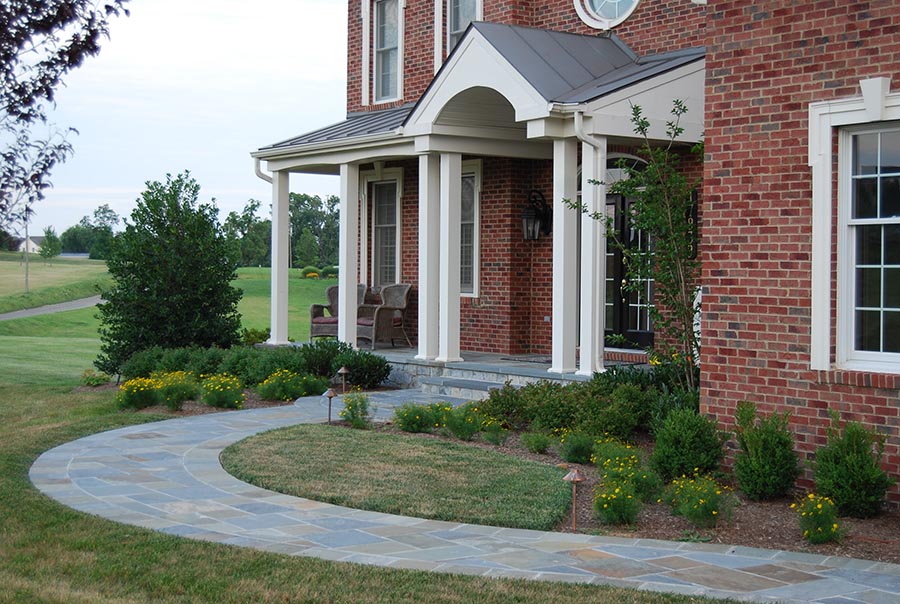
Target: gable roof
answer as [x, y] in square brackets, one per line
[575, 68]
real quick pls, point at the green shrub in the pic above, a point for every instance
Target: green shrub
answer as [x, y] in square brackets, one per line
[142, 363]
[176, 387]
[848, 469]
[536, 442]
[357, 410]
[617, 414]
[687, 443]
[94, 379]
[615, 502]
[307, 271]
[412, 417]
[700, 499]
[462, 422]
[666, 401]
[818, 519]
[245, 364]
[577, 447]
[321, 356]
[251, 337]
[329, 272]
[137, 393]
[493, 432]
[205, 361]
[366, 370]
[505, 405]
[285, 385]
[766, 466]
[286, 357]
[223, 391]
[552, 408]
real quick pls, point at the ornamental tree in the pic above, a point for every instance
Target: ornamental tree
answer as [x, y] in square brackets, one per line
[40, 42]
[50, 246]
[172, 269]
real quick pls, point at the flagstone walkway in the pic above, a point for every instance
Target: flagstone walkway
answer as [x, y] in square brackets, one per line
[166, 476]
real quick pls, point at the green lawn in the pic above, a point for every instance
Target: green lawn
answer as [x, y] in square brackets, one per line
[59, 280]
[51, 554]
[419, 477]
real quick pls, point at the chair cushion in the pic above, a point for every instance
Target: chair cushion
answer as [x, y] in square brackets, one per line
[365, 321]
[325, 320]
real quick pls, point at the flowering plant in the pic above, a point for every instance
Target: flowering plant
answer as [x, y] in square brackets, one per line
[818, 518]
[223, 390]
[700, 499]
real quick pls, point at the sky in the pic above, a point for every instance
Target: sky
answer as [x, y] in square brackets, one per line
[197, 85]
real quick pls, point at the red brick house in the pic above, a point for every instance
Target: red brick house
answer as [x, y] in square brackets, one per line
[463, 115]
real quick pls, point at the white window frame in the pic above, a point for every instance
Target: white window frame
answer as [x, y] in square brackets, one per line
[876, 104]
[442, 39]
[593, 19]
[369, 77]
[472, 167]
[371, 178]
[847, 355]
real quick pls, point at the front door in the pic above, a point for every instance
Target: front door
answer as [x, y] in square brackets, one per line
[627, 308]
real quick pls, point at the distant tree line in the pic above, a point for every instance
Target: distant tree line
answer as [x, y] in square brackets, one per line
[93, 236]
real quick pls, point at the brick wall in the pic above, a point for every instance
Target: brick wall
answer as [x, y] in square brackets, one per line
[765, 63]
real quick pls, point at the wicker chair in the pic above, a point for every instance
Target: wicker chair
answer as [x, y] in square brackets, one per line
[380, 322]
[326, 325]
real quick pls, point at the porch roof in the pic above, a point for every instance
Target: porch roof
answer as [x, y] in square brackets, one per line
[356, 125]
[574, 68]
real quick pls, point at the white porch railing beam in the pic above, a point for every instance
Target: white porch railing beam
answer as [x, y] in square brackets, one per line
[451, 196]
[281, 250]
[429, 255]
[565, 173]
[348, 254]
[593, 257]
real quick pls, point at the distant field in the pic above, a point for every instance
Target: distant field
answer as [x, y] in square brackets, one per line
[59, 280]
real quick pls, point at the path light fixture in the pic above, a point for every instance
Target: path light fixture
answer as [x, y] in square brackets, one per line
[537, 217]
[343, 371]
[330, 394]
[574, 476]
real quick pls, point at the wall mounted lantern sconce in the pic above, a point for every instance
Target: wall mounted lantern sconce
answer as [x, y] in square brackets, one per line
[537, 216]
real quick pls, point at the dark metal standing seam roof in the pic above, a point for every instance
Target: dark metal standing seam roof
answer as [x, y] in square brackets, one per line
[562, 67]
[362, 124]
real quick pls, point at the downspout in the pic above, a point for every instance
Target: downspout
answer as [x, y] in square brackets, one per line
[259, 172]
[581, 134]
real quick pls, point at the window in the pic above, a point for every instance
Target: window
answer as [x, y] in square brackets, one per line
[387, 49]
[459, 14]
[384, 232]
[468, 240]
[871, 252]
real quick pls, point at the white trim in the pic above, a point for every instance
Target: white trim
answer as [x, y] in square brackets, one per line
[374, 177]
[474, 167]
[348, 254]
[565, 186]
[823, 118]
[438, 34]
[365, 67]
[451, 180]
[281, 253]
[429, 255]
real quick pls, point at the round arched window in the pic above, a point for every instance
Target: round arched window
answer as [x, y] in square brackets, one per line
[604, 14]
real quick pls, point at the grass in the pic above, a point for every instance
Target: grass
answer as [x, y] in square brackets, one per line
[256, 303]
[59, 280]
[419, 477]
[51, 554]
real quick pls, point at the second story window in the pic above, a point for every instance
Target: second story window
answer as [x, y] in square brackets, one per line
[459, 14]
[387, 55]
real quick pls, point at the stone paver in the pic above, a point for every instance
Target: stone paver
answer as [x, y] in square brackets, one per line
[166, 476]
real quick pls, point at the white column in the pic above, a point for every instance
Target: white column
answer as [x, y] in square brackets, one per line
[281, 251]
[593, 257]
[348, 253]
[451, 191]
[565, 174]
[429, 254]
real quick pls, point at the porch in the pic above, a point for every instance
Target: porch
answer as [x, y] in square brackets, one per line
[480, 372]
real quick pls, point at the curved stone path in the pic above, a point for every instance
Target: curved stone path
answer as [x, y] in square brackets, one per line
[166, 476]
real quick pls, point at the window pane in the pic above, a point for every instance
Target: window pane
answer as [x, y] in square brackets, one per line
[384, 216]
[890, 197]
[890, 153]
[868, 245]
[467, 258]
[868, 330]
[387, 24]
[868, 287]
[892, 332]
[865, 154]
[892, 288]
[865, 198]
[891, 244]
